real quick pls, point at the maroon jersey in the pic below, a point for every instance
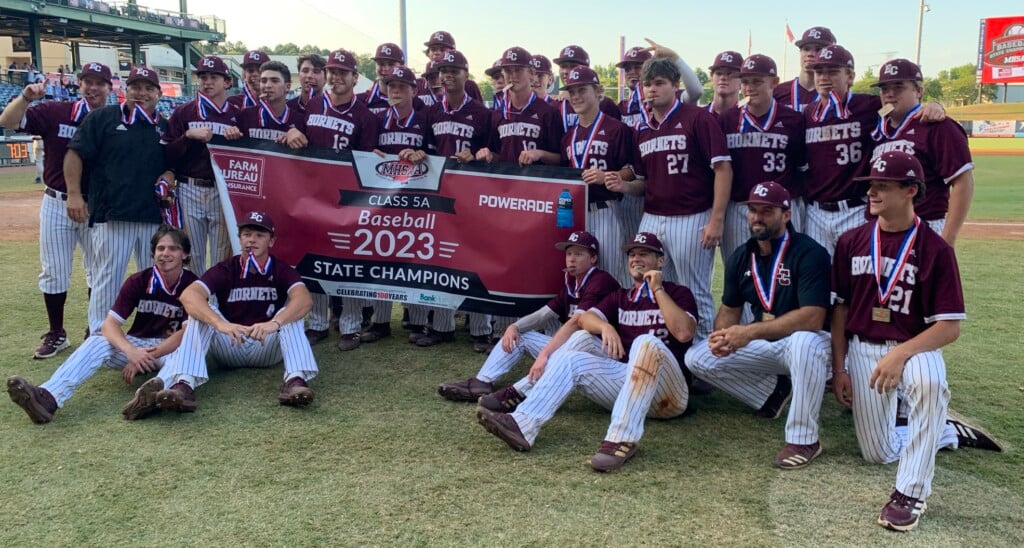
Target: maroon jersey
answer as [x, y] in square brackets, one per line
[56, 122]
[376, 99]
[767, 148]
[838, 149]
[611, 148]
[634, 317]
[928, 289]
[580, 296]
[242, 101]
[254, 298]
[677, 158]
[570, 118]
[397, 134]
[189, 157]
[453, 129]
[300, 101]
[535, 127]
[943, 152]
[158, 310]
[255, 123]
[350, 126]
[422, 89]
[631, 110]
[791, 94]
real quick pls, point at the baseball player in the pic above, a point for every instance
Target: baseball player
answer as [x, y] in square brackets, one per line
[257, 322]
[497, 84]
[56, 123]
[683, 168]
[766, 143]
[429, 89]
[598, 143]
[802, 90]
[272, 119]
[252, 60]
[634, 369]
[358, 130]
[121, 146]
[725, 81]
[784, 276]
[940, 147]
[586, 285]
[570, 57]
[440, 43]
[189, 128]
[387, 57]
[311, 81]
[896, 285]
[153, 295]
[542, 78]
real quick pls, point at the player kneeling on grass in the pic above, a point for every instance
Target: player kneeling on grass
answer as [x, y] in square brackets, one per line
[634, 369]
[257, 323]
[585, 286]
[153, 294]
[784, 276]
[898, 300]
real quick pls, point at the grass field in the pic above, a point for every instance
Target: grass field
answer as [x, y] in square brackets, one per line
[380, 459]
[988, 111]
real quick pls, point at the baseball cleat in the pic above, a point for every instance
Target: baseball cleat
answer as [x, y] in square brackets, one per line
[375, 333]
[316, 335]
[180, 398]
[612, 455]
[505, 400]
[53, 342]
[470, 389]
[348, 342]
[777, 400]
[795, 457]
[481, 343]
[143, 403]
[296, 393]
[432, 337]
[503, 426]
[901, 513]
[968, 435]
[37, 402]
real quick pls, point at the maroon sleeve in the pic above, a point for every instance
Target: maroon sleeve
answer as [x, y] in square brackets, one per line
[369, 133]
[609, 107]
[473, 91]
[609, 307]
[286, 276]
[218, 278]
[130, 294]
[841, 271]
[38, 119]
[684, 298]
[598, 288]
[710, 138]
[553, 130]
[942, 293]
[559, 304]
[637, 157]
[177, 143]
[950, 148]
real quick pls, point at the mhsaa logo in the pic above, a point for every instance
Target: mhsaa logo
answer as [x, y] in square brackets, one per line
[402, 171]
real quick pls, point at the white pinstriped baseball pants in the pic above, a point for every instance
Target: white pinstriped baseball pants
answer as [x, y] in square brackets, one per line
[83, 363]
[113, 243]
[606, 225]
[750, 375]
[631, 211]
[825, 227]
[58, 235]
[204, 221]
[201, 342]
[651, 384]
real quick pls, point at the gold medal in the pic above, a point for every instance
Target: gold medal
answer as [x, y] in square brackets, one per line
[881, 314]
[886, 109]
[767, 316]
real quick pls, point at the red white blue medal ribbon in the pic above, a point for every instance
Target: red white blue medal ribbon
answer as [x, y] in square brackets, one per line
[748, 121]
[446, 107]
[830, 103]
[507, 106]
[794, 96]
[882, 129]
[565, 115]
[78, 110]
[250, 98]
[767, 296]
[157, 282]
[250, 264]
[205, 105]
[575, 293]
[329, 107]
[393, 119]
[267, 115]
[637, 99]
[641, 292]
[893, 276]
[579, 161]
[137, 113]
[650, 123]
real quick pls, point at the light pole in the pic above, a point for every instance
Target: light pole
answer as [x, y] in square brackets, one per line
[922, 7]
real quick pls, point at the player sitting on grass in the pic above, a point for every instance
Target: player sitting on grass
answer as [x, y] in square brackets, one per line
[156, 332]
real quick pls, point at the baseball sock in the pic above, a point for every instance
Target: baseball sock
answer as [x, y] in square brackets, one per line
[55, 310]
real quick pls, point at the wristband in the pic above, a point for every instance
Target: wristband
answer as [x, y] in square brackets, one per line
[660, 288]
[277, 323]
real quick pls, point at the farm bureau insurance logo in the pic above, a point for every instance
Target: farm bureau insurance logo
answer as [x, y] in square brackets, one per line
[243, 174]
[390, 173]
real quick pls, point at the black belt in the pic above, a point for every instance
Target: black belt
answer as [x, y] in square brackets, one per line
[206, 183]
[55, 194]
[603, 204]
[881, 342]
[838, 206]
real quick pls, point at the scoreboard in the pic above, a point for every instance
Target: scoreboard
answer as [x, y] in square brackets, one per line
[16, 152]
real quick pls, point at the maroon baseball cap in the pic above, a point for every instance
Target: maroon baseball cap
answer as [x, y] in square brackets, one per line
[727, 60]
[898, 70]
[540, 63]
[515, 56]
[389, 52]
[431, 70]
[494, 70]
[212, 64]
[342, 59]
[581, 238]
[441, 38]
[834, 56]
[635, 54]
[254, 57]
[97, 69]
[758, 64]
[573, 54]
[645, 240]
[257, 219]
[769, 193]
[403, 74]
[895, 165]
[581, 76]
[816, 35]
[143, 73]
[453, 58]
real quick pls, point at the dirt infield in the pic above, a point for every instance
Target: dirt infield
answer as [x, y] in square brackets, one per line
[995, 152]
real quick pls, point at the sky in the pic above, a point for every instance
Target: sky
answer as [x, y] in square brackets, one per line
[873, 30]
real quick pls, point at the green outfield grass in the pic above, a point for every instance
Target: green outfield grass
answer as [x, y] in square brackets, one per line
[988, 111]
[998, 188]
[380, 459]
[998, 144]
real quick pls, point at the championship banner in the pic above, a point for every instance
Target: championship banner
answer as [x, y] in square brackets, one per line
[478, 237]
[1001, 50]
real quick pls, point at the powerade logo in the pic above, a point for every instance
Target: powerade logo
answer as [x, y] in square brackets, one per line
[402, 171]
[428, 298]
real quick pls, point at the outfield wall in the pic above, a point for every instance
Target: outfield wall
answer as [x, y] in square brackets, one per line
[993, 128]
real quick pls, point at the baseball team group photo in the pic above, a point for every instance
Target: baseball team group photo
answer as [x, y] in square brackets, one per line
[683, 289]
